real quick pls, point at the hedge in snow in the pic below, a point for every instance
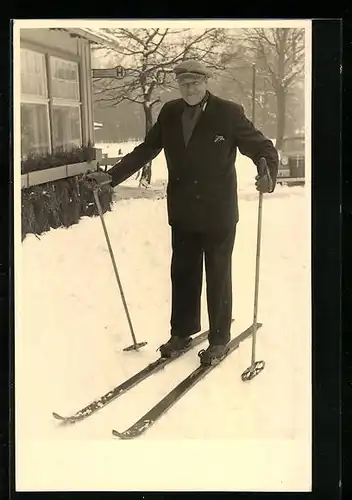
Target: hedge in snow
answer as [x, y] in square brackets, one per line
[60, 203]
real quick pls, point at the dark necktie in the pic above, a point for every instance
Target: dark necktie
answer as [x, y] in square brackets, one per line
[190, 117]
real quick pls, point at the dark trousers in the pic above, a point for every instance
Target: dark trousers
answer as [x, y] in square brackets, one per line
[189, 252]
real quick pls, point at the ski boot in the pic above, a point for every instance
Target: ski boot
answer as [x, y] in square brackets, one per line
[174, 346]
[213, 354]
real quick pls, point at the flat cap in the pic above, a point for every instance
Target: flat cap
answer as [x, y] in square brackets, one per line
[191, 68]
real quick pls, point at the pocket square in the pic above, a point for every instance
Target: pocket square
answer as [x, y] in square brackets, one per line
[219, 138]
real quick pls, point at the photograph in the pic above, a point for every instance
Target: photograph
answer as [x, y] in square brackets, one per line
[162, 245]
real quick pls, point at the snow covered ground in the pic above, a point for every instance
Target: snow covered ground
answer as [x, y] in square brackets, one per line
[71, 331]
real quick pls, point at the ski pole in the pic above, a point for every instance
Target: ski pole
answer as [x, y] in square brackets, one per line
[256, 366]
[135, 346]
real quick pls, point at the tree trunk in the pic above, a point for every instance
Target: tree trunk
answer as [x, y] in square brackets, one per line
[146, 175]
[281, 88]
[281, 116]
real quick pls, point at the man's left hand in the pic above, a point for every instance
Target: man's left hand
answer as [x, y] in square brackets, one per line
[263, 181]
[263, 184]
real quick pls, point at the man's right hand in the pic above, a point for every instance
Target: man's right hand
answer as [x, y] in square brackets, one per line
[98, 178]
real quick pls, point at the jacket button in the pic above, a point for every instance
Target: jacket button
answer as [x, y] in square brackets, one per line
[197, 196]
[195, 182]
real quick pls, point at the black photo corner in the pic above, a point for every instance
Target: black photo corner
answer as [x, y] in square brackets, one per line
[331, 353]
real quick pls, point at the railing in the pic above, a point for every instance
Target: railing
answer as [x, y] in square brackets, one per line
[106, 161]
[63, 172]
[56, 173]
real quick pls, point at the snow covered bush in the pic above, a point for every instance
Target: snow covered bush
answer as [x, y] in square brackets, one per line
[60, 204]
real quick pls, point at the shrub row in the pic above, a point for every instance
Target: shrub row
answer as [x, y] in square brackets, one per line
[60, 204]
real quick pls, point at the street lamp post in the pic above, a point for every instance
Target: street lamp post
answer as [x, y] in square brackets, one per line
[253, 91]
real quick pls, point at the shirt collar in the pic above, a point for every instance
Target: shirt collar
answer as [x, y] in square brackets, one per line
[201, 104]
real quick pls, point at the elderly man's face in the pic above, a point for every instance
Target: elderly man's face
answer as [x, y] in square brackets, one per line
[192, 90]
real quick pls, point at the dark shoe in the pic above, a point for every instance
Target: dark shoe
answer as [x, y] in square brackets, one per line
[213, 354]
[174, 346]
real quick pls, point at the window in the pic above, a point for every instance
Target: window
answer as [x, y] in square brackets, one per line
[66, 127]
[64, 76]
[34, 129]
[50, 104]
[33, 74]
[35, 132]
[65, 101]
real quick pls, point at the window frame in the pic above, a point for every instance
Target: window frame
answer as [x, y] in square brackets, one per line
[40, 100]
[51, 101]
[71, 104]
[78, 75]
[46, 104]
[61, 101]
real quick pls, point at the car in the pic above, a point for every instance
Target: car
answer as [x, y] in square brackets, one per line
[291, 169]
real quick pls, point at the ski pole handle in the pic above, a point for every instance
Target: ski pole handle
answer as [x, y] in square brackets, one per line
[264, 170]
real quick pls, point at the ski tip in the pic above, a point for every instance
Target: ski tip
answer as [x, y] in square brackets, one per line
[64, 420]
[58, 417]
[125, 434]
[118, 434]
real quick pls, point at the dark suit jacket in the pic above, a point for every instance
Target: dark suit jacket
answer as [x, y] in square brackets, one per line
[202, 183]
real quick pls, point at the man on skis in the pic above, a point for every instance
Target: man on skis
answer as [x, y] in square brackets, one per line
[200, 134]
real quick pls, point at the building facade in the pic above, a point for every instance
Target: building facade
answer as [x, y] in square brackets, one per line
[57, 128]
[56, 92]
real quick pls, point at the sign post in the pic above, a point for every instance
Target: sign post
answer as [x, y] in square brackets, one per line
[119, 72]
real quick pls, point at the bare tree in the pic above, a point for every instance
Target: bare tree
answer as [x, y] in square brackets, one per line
[150, 55]
[279, 56]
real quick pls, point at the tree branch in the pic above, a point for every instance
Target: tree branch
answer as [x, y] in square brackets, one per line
[130, 34]
[156, 48]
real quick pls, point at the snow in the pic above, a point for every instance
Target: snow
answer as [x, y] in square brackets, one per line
[71, 330]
